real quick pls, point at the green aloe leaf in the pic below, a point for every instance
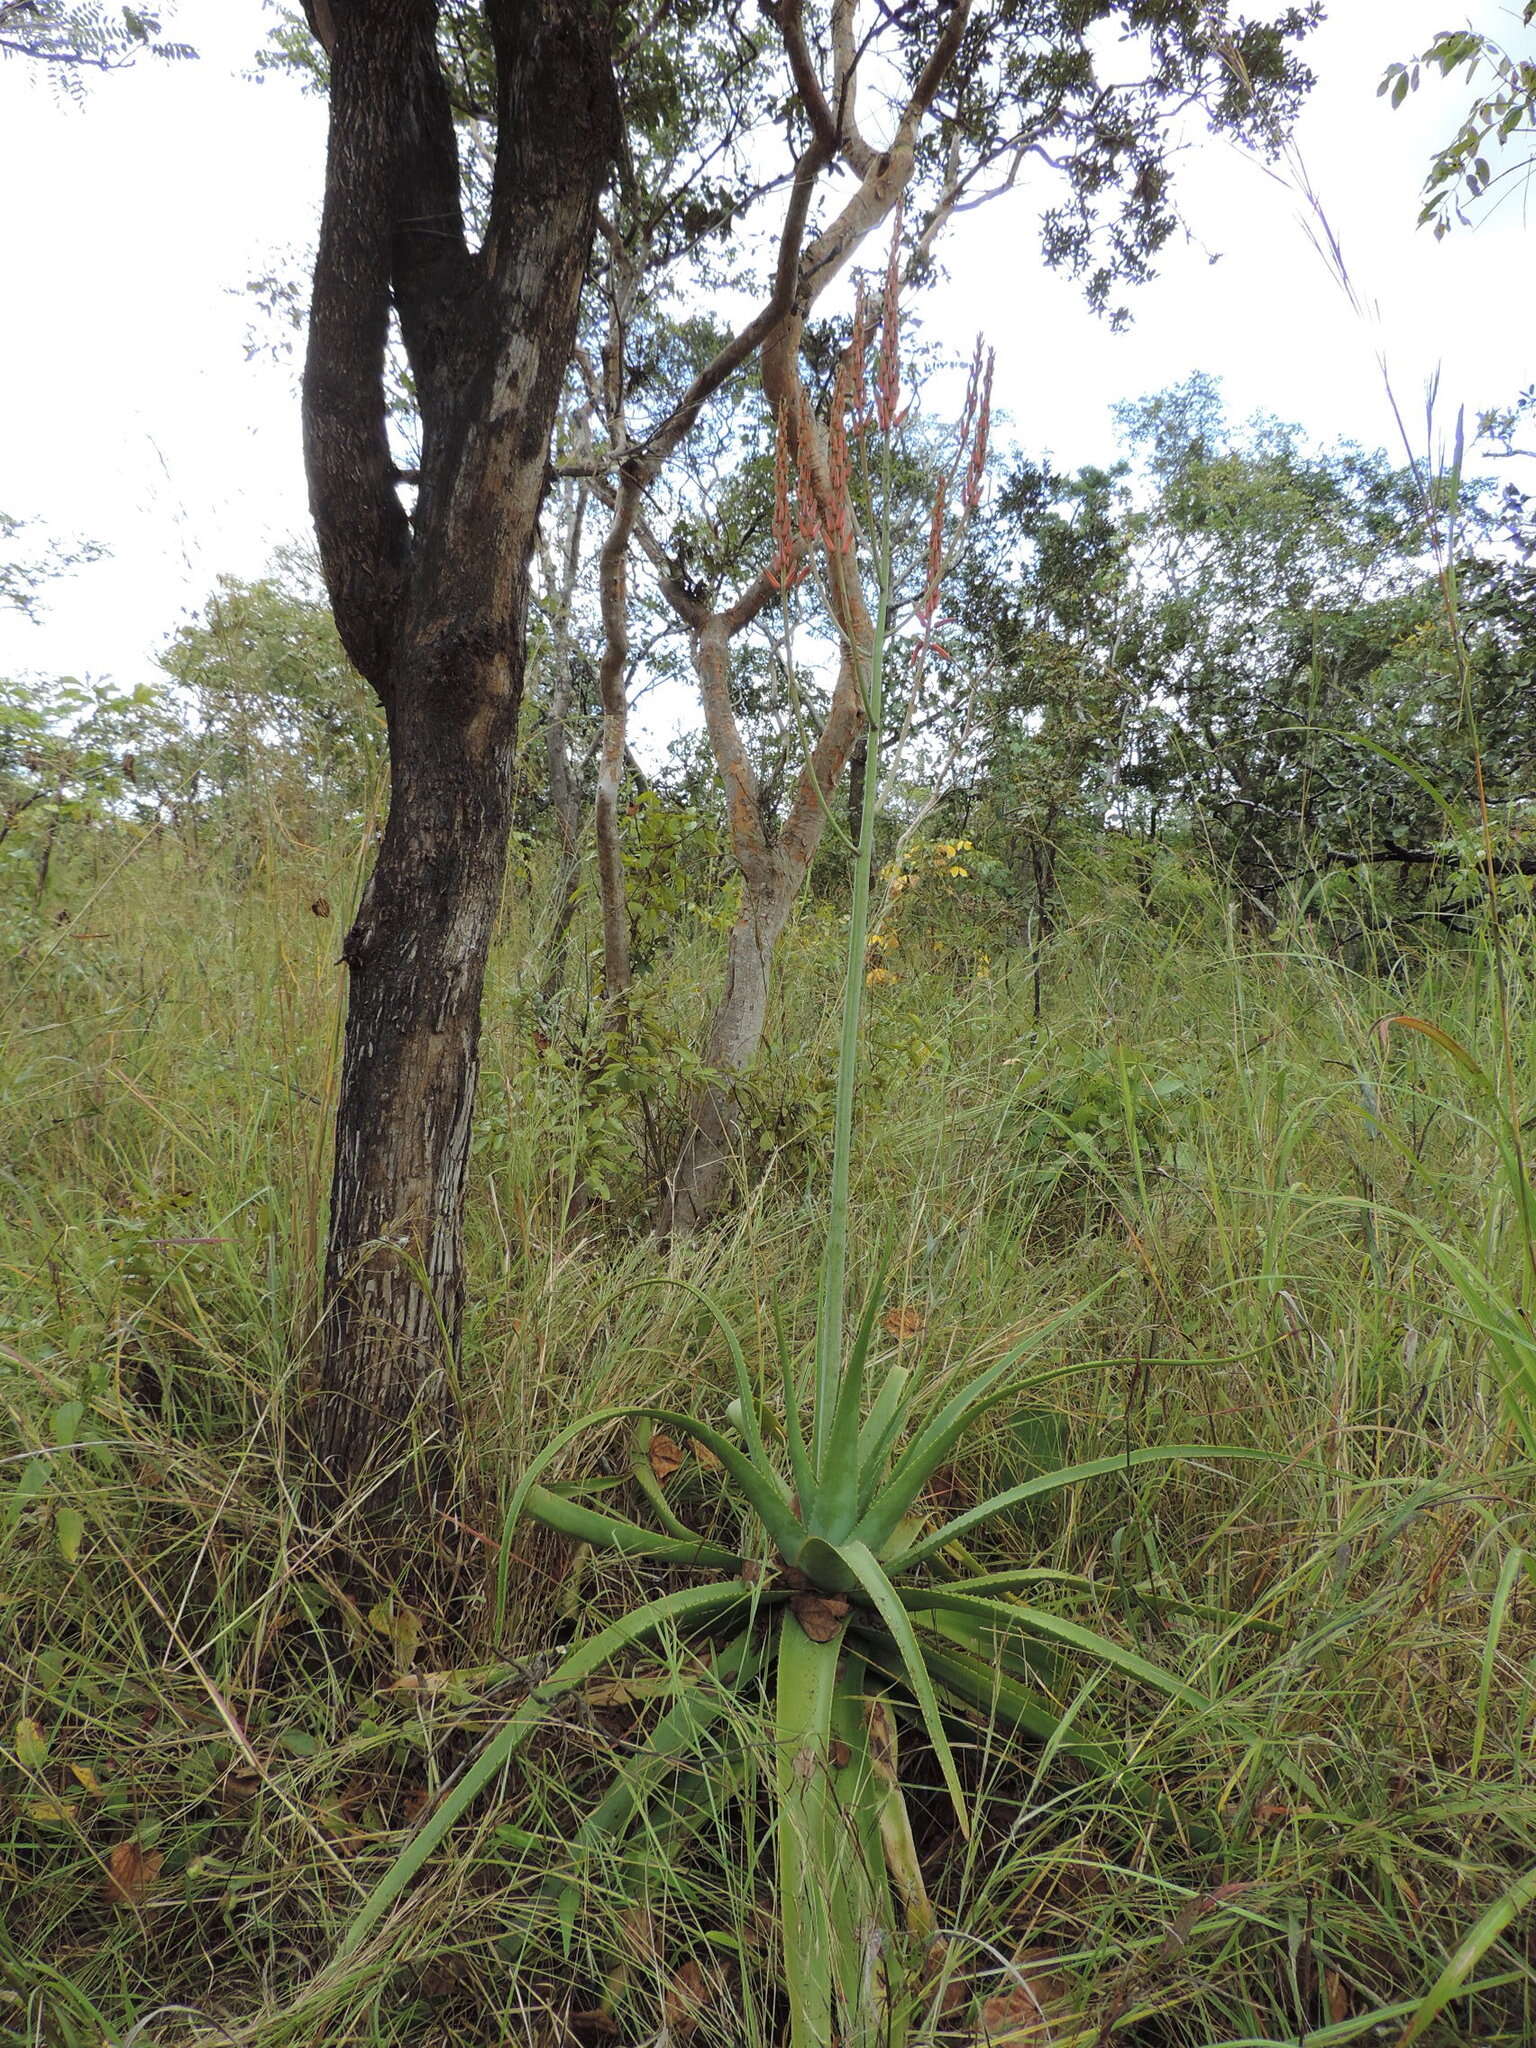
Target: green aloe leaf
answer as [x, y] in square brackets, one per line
[807, 1684]
[617, 1533]
[746, 1394]
[1048, 1483]
[933, 1444]
[1035, 1621]
[760, 1486]
[881, 1429]
[836, 1506]
[987, 1687]
[887, 1604]
[794, 1435]
[641, 1472]
[702, 1702]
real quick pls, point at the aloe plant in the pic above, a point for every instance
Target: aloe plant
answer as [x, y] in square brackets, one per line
[841, 1600]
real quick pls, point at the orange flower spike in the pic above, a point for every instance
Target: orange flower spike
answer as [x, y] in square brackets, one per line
[928, 610]
[858, 360]
[840, 538]
[972, 398]
[888, 372]
[976, 471]
[805, 479]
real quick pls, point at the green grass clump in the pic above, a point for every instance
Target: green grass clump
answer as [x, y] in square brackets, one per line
[222, 1717]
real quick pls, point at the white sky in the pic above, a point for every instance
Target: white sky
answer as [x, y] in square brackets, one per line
[130, 227]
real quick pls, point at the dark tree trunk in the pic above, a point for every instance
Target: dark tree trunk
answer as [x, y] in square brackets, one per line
[417, 955]
[432, 608]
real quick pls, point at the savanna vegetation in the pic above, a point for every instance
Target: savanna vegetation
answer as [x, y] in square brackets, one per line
[873, 1382]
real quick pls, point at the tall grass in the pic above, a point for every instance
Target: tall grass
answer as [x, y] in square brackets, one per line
[218, 1728]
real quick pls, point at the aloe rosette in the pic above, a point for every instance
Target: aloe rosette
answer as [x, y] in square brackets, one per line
[841, 1601]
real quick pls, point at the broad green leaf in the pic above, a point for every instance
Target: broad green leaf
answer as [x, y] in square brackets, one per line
[836, 1505]
[1036, 1622]
[1484, 1932]
[881, 1429]
[761, 1488]
[30, 1744]
[68, 1532]
[807, 1681]
[866, 1568]
[1054, 1482]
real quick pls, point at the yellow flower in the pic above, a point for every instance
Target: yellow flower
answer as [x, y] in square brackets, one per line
[958, 870]
[879, 974]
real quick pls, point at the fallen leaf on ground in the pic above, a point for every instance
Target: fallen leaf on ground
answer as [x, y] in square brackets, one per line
[30, 1745]
[51, 1812]
[665, 1456]
[902, 1322]
[1020, 2016]
[131, 1870]
[686, 1998]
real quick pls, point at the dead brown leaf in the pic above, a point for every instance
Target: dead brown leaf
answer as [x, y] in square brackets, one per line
[821, 1615]
[321, 907]
[1020, 2016]
[665, 1455]
[1195, 1910]
[615, 1692]
[1340, 2007]
[687, 1998]
[238, 1786]
[131, 1871]
[904, 1322]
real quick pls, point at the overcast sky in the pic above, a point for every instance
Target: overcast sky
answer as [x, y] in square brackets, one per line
[132, 225]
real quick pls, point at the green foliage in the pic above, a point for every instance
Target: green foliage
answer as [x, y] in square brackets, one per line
[826, 1564]
[1102, 1114]
[675, 870]
[26, 570]
[68, 761]
[280, 717]
[1235, 635]
[1478, 156]
[1340, 1602]
[72, 36]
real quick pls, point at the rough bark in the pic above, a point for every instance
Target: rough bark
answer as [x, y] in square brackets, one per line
[433, 611]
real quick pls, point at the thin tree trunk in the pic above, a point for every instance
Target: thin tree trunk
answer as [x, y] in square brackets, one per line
[613, 691]
[562, 789]
[697, 1183]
